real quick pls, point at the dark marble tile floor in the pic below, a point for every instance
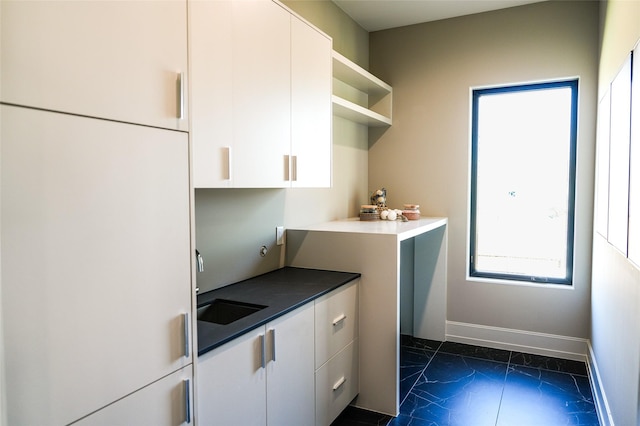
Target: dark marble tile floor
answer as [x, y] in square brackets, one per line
[453, 384]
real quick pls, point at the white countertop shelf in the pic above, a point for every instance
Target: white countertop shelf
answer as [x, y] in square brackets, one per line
[403, 289]
[404, 230]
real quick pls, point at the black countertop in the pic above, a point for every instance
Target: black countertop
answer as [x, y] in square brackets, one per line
[282, 291]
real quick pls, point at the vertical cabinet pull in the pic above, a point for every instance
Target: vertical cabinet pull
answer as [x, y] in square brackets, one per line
[294, 167]
[263, 350]
[273, 344]
[226, 155]
[180, 97]
[187, 400]
[287, 175]
[185, 320]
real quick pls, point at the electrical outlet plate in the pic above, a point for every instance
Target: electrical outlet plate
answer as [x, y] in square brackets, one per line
[279, 235]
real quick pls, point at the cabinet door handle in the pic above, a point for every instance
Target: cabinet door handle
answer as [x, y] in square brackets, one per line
[185, 320]
[263, 350]
[273, 344]
[180, 97]
[339, 383]
[226, 154]
[286, 168]
[294, 167]
[339, 319]
[187, 400]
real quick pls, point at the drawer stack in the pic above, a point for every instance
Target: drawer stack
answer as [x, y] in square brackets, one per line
[336, 333]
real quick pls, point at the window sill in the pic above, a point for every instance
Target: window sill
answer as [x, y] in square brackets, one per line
[540, 284]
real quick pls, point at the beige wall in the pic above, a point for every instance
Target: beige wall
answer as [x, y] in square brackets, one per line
[616, 283]
[424, 157]
[232, 224]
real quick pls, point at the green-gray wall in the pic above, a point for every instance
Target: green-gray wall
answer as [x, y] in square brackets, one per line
[232, 224]
[349, 38]
[424, 157]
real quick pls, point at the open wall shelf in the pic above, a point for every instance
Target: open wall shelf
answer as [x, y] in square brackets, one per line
[372, 106]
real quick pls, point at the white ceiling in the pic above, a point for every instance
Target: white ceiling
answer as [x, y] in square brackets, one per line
[374, 15]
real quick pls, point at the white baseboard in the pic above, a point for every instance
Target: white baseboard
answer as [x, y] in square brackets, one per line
[599, 396]
[518, 340]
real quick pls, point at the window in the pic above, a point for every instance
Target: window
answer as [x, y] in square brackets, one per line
[523, 165]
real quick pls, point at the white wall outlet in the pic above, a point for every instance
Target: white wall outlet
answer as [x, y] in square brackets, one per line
[279, 235]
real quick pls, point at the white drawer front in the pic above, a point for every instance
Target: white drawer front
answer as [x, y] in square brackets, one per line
[337, 383]
[336, 321]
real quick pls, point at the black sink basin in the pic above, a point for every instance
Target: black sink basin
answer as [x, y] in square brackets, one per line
[222, 311]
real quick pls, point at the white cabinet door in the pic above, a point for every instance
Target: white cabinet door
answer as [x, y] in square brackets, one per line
[261, 94]
[235, 389]
[167, 402]
[232, 383]
[290, 369]
[211, 59]
[240, 65]
[261, 97]
[95, 261]
[311, 115]
[110, 59]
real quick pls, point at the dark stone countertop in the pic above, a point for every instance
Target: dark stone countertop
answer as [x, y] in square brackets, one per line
[282, 291]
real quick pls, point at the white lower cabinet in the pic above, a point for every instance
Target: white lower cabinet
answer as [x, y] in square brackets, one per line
[337, 384]
[336, 335]
[167, 402]
[232, 383]
[300, 369]
[262, 377]
[290, 387]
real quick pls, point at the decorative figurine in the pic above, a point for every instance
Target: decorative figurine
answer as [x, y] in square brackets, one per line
[379, 198]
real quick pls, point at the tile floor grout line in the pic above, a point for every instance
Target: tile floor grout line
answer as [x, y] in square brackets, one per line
[504, 385]
[421, 372]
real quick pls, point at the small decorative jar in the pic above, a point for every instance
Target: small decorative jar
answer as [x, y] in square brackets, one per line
[411, 211]
[369, 212]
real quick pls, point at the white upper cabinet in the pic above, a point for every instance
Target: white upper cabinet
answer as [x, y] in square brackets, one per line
[240, 66]
[119, 60]
[96, 270]
[310, 106]
[210, 57]
[260, 93]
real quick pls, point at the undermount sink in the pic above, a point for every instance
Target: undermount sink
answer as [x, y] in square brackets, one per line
[222, 311]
